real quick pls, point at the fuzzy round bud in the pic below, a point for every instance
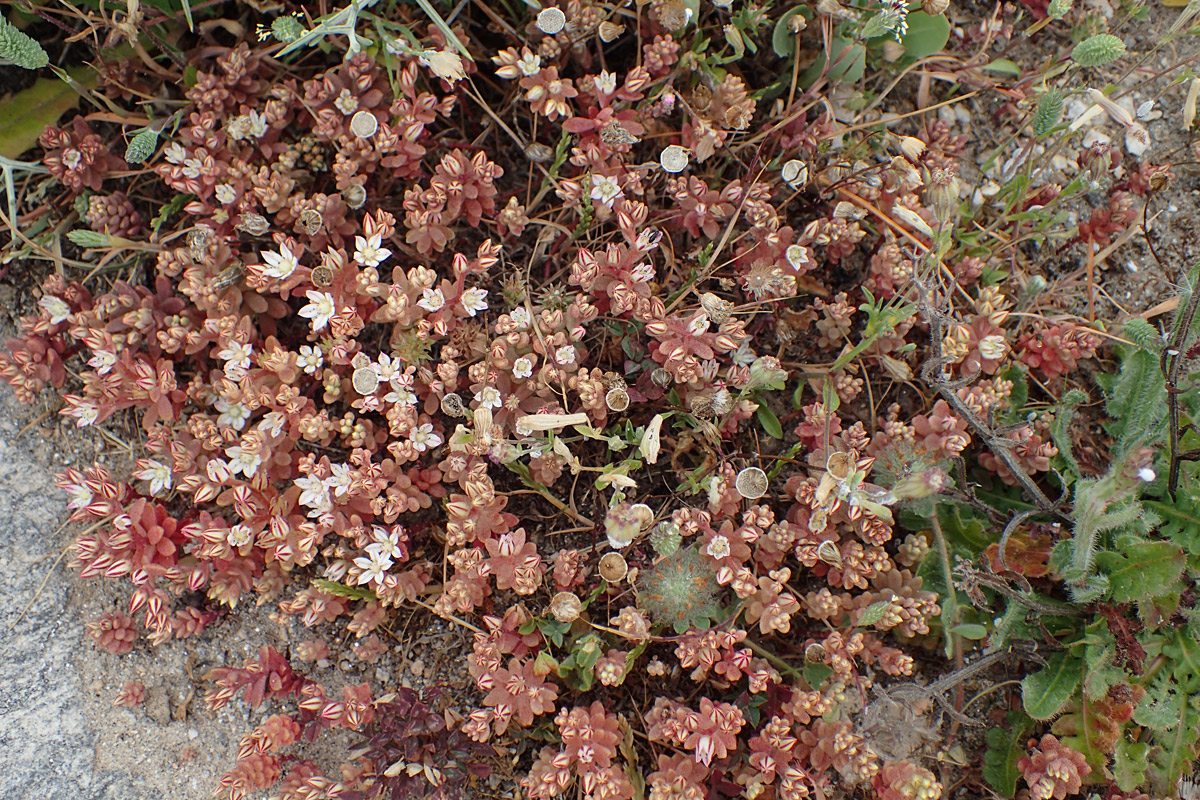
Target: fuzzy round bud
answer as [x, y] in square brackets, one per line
[364, 124]
[566, 607]
[551, 20]
[751, 483]
[673, 158]
[613, 567]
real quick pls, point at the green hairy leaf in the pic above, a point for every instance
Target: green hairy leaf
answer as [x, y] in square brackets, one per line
[1059, 8]
[141, 146]
[19, 49]
[342, 590]
[89, 238]
[1144, 335]
[1141, 570]
[1006, 745]
[1049, 111]
[1046, 692]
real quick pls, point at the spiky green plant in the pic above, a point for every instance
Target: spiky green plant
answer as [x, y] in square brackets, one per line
[19, 49]
[680, 591]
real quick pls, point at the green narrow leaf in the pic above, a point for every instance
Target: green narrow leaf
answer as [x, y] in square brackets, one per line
[970, 630]
[29, 111]
[1046, 692]
[770, 422]
[141, 146]
[187, 13]
[1006, 746]
[342, 590]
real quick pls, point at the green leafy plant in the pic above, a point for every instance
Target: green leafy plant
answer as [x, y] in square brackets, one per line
[19, 49]
[680, 591]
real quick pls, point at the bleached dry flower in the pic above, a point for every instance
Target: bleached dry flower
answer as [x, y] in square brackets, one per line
[551, 20]
[751, 483]
[566, 607]
[673, 158]
[446, 65]
[650, 444]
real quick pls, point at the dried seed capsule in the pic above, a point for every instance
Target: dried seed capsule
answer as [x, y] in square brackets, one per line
[673, 158]
[814, 653]
[197, 242]
[539, 153]
[644, 512]
[452, 406]
[614, 135]
[551, 20]
[828, 552]
[613, 567]
[364, 124]
[311, 221]
[751, 483]
[794, 173]
[661, 377]
[609, 31]
[354, 195]
[254, 224]
[722, 402]
[229, 276]
[566, 607]
[617, 399]
[934, 7]
[718, 310]
[322, 276]
[365, 381]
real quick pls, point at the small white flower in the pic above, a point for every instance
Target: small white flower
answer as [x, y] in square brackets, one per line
[474, 300]
[424, 438]
[320, 309]
[175, 153]
[232, 414]
[718, 548]
[605, 189]
[387, 368]
[993, 347]
[565, 355]
[520, 317]
[523, 367]
[243, 462]
[370, 252]
[56, 308]
[340, 480]
[85, 414]
[192, 167]
[373, 565]
[237, 358]
[387, 542]
[401, 395]
[530, 64]
[489, 397]
[225, 193]
[256, 124]
[273, 423]
[1146, 475]
[432, 300]
[698, 324]
[158, 474]
[103, 361]
[798, 256]
[239, 535]
[606, 83]
[313, 492]
[346, 102]
[281, 264]
[310, 359]
[72, 158]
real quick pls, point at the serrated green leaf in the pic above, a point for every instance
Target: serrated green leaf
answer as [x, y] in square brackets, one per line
[1141, 570]
[1006, 746]
[1045, 693]
[1137, 402]
[29, 111]
[141, 146]
[873, 613]
[770, 422]
[20, 49]
[1049, 111]
[1174, 747]
[1180, 520]
[1059, 8]
[85, 238]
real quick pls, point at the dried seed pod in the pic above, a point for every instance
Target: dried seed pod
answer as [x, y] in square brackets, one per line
[197, 242]
[674, 158]
[751, 483]
[673, 14]
[840, 465]
[566, 607]
[722, 402]
[452, 406]
[322, 276]
[551, 20]
[539, 153]
[701, 405]
[609, 31]
[934, 7]
[614, 135]
[254, 224]
[644, 512]
[718, 310]
[617, 399]
[794, 173]
[847, 210]
[828, 552]
[613, 567]
[311, 221]
[229, 276]
[354, 196]
[814, 653]
[365, 381]
[364, 124]
[661, 377]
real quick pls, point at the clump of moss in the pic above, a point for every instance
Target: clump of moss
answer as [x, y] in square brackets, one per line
[680, 591]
